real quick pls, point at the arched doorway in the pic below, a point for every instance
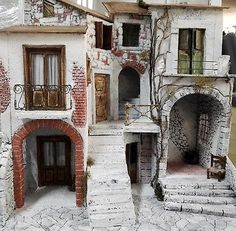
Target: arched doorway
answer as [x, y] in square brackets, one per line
[194, 127]
[129, 89]
[18, 155]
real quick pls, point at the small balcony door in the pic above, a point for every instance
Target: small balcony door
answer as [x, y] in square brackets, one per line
[54, 166]
[44, 73]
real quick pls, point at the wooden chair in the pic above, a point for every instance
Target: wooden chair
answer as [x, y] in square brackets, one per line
[217, 169]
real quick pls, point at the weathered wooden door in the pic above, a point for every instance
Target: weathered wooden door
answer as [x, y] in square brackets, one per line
[54, 160]
[101, 88]
[132, 161]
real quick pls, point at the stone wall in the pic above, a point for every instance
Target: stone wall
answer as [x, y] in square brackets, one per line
[135, 57]
[6, 183]
[5, 94]
[145, 160]
[231, 174]
[63, 14]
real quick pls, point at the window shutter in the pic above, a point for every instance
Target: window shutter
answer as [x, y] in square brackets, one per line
[99, 34]
[198, 39]
[184, 36]
[107, 37]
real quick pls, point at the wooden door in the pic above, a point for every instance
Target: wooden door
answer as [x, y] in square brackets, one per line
[101, 94]
[54, 160]
[132, 161]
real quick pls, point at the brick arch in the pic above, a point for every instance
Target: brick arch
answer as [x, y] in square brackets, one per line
[18, 163]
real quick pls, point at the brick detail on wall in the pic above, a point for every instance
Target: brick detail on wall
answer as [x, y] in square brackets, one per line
[5, 94]
[18, 162]
[63, 14]
[146, 159]
[79, 95]
[136, 60]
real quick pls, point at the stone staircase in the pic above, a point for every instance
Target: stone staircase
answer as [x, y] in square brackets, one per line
[109, 197]
[197, 194]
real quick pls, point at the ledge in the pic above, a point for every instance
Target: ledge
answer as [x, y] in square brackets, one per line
[43, 114]
[45, 29]
[201, 76]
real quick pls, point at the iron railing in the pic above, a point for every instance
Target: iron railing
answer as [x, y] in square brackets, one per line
[42, 97]
[196, 66]
[133, 112]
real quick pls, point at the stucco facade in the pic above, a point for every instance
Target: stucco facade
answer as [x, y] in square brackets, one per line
[123, 100]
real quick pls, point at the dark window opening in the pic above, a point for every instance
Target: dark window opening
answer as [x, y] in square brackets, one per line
[131, 35]
[204, 127]
[48, 9]
[103, 36]
[191, 51]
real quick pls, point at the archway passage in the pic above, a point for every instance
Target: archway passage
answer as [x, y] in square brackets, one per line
[129, 88]
[18, 162]
[194, 131]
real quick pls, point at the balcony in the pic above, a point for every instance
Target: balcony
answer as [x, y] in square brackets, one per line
[42, 97]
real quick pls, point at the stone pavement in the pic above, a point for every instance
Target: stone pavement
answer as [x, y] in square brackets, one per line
[150, 216]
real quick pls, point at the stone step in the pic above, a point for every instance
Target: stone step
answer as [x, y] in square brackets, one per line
[100, 183]
[200, 192]
[102, 159]
[112, 219]
[197, 186]
[109, 191]
[106, 140]
[200, 199]
[101, 131]
[108, 173]
[217, 210]
[108, 199]
[106, 149]
[109, 208]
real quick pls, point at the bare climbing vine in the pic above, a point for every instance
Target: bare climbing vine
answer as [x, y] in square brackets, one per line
[160, 32]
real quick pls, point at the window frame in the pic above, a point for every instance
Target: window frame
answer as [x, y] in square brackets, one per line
[191, 47]
[103, 36]
[27, 62]
[138, 34]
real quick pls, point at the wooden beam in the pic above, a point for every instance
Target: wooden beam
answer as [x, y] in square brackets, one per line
[45, 29]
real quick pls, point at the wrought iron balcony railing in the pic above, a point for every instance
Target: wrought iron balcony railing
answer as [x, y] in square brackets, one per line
[42, 97]
[134, 112]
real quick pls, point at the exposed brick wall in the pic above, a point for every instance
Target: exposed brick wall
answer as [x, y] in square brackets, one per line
[5, 94]
[18, 163]
[63, 14]
[79, 95]
[136, 60]
[146, 159]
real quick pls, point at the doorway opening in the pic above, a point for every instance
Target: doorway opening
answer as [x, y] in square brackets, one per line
[132, 161]
[54, 160]
[194, 128]
[129, 89]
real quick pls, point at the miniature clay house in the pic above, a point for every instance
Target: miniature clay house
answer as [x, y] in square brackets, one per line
[136, 92]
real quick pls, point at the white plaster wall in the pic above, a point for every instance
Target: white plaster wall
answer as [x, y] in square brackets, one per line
[229, 16]
[101, 63]
[210, 20]
[12, 56]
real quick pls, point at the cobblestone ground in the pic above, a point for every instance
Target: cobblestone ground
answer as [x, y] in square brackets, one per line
[150, 217]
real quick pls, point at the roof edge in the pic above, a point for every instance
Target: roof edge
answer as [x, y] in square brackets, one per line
[44, 29]
[86, 10]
